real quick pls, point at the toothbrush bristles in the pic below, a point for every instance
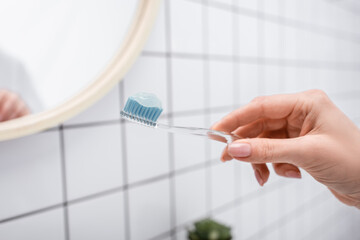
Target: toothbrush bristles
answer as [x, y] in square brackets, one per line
[137, 119]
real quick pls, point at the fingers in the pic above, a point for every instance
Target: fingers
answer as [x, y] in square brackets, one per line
[19, 111]
[11, 106]
[265, 150]
[287, 170]
[256, 128]
[7, 108]
[225, 156]
[261, 172]
[272, 107]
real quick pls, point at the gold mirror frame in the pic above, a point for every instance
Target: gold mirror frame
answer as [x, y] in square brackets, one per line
[114, 72]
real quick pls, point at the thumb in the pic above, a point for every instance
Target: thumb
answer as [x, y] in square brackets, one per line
[266, 150]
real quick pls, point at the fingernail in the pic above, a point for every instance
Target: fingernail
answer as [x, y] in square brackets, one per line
[259, 178]
[293, 174]
[239, 149]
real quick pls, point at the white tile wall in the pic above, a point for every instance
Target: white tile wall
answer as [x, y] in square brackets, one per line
[150, 210]
[220, 32]
[248, 35]
[156, 41]
[93, 165]
[221, 83]
[147, 152]
[190, 193]
[188, 84]
[107, 212]
[48, 225]
[30, 174]
[223, 181]
[186, 32]
[189, 150]
[124, 181]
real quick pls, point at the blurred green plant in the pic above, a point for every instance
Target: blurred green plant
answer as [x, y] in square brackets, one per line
[208, 229]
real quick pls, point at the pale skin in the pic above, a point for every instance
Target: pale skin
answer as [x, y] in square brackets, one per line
[304, 130]
[11, 106]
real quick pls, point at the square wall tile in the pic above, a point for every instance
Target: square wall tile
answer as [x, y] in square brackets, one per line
[274, 233]
[43, 226]
[248, 36]
[272, 42]
[148, 75]
[93, 159]
[30, 173]
[186, 26]
[272, 81]
[248, 82]
[248, 219]
[189, 150]
[227, 2]
[156, 41]
[273, 213]
[249, 4]
[221, 31]
[221, 80]
[245, 177]
[147, 152]
[222, 184]
[183, 234]
[271, 6]
[190, 194]
[149, 210]
[290, 42]
[106, 109]
[101, 218]
[188, 84]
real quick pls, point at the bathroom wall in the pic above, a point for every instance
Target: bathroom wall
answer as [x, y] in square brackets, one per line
[97, 177]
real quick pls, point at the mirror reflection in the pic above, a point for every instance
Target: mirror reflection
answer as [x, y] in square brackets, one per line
[51, 50]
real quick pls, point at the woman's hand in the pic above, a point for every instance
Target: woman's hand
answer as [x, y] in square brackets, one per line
[304, 130]
[11, 106]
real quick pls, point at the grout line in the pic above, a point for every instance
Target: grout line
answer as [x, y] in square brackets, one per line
[97, 195]
[261, 88]
[64, 183]
[282, 80]
[31, 213]
[236, 87]
[282, 46]
[125, 167]
[205, 82]
[169, 87]
[299, 63]
[260, 47]
[236, 79]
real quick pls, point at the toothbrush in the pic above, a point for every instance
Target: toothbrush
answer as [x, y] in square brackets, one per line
[145, 109]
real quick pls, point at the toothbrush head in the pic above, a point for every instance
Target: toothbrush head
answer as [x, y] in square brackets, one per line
[143, 108]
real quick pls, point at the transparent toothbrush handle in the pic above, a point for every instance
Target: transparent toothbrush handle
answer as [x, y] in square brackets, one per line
[222, 136]
[209, 133]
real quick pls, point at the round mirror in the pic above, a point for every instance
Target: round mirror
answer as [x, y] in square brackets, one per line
[58, 57]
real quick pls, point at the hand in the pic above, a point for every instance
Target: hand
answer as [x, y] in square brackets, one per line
[11, 106]
[304, 130]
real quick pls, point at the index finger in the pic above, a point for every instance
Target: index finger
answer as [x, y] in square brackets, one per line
[272, 107]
